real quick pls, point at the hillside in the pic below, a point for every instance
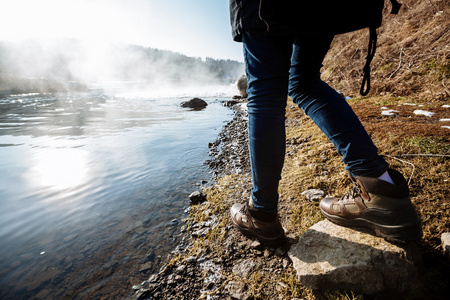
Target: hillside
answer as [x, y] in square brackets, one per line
[412, 58]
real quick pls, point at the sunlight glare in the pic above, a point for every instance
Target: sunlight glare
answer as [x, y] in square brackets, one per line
[59, 168]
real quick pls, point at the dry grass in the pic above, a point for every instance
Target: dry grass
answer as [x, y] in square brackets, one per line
[397, 137]
[312, 162]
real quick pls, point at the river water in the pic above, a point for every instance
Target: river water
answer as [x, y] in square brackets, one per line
[94, 186]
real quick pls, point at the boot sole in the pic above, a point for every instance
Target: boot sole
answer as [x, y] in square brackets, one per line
[403, 233]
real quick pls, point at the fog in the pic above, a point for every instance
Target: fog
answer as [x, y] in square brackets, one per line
[56, 65]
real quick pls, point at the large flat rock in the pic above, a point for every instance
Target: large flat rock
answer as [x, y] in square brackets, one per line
[328, 256]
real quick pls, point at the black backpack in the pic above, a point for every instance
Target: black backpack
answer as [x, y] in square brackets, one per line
[336, 16]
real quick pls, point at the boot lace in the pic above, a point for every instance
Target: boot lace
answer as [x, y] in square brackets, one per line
[354, 193]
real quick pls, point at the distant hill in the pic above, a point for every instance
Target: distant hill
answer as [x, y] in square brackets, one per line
[412, 59]
[48, 66]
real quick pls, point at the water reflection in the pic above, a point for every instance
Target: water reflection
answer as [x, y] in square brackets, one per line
[92, 186]
[59, 169]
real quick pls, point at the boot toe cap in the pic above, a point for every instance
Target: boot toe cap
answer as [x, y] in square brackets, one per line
[326, 204]
[235, 209]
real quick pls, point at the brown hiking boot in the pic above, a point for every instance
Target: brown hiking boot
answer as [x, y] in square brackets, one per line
[270, 233]
[374, 203]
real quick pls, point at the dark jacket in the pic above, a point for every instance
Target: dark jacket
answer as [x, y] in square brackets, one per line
[275, 17]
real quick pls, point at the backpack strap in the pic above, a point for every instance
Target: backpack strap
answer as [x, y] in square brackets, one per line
[365, 85]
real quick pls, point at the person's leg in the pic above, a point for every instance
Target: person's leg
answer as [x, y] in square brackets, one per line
[329, 110]
[374, 203]
[267, 62]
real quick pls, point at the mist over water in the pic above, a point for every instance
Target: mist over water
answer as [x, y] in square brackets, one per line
[57, 65]
[95, 184]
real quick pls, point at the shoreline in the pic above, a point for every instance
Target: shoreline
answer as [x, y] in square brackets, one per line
[184, 273]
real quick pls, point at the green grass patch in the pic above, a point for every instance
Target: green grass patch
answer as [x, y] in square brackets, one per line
[429, 145]
[440, 70]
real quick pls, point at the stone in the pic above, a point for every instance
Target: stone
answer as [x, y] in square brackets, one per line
[195, 103]
[280, 251]
[237, 290]
[314, 195]
[229, 103]
[242, 245]
[142, 294]
[201, 232]
[197, 197]
[328, 256]
[140, 230]
[242, 86]
[286, 262]
[244, 267]
[150, 256]
[153, 278]
[255, 245]
[191, 259]
[445, 238]
[180, 269]
[145, 267]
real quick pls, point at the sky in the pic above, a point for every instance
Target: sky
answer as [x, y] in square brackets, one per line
[196, 28]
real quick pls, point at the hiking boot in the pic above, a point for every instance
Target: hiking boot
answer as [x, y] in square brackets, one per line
[268, 232]
[374, 203]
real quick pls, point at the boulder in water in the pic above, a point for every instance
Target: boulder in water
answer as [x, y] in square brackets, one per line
[195, 103]
[242, 86]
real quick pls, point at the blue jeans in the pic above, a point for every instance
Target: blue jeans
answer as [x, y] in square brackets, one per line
[280, 65]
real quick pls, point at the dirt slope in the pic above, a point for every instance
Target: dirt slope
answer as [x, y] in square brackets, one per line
[412, 58]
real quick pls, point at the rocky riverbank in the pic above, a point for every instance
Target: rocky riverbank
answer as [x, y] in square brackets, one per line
[215, 261]
[190, 275]
[195, 273]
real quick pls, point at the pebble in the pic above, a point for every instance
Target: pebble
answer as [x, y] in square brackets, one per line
[197, 197]
[245, 267]
[255, 245]
[192, 259]
[242, 245]
[286, 262]
[313, 194]
[280, 251]
[146, 267]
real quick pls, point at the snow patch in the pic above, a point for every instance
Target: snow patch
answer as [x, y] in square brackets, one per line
[423, 112]
[389, 112]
